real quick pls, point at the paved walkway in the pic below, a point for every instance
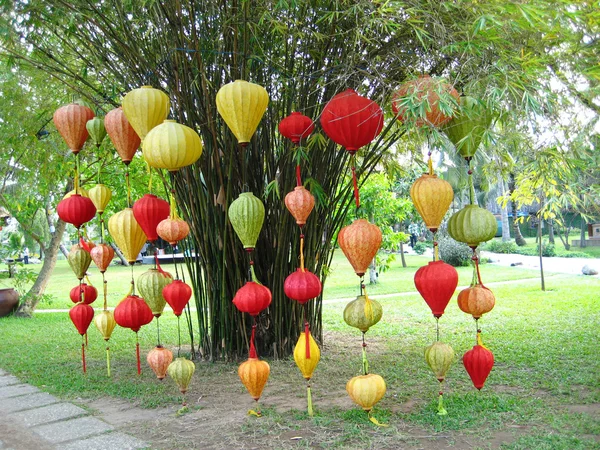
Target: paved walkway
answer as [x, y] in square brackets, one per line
[34, 420]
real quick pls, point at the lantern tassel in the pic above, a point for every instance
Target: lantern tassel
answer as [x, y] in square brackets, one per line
[365, 362]
[149, 177]
[430, 164]
[376, 422]
[309, 401]
[368, 305]
[479, 341]
[128, 187]
[178, 335]
[137, 354]
[355, 184]
[108, 360]
[105, 290]
[307, 336]
[251, 412]
[77, 173]
[252, 352]
[302, 252]
[441, 410]
[87, 279]
[436, 254]
[298, 178]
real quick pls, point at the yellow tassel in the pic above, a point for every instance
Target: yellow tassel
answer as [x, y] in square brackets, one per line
[309, 401]
[479, 341]
[251, 412]
[174, 214]
[368, 306]
[436, 255]
[376, 422]
[87, 279]
[302, 254]
[149, 177]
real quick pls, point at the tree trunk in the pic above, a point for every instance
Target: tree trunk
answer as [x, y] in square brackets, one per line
[550, 223]
[119, 254]
[402, 254]
[64, 250]
[582, 244]
[519, 240]
[505, 222]
[373, 272]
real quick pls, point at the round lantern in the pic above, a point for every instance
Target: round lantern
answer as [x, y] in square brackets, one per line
[252, 298]
[96, 130]
[423, 90]
[360, 243]
[436, 282]
[81, 315]
[302, 286]
[121, 134]
[171, 146]
[105, 322]
[102, 255]
[246, 214]
[177, 294]
[439, 357]
[351, 120]
[79, 260]
[254, 374]
[472, 225]
[363, 313]
[173, 230]
[432, 197]
[151, 284]
[181, 370]
[133, 312]
[149, 211]
[476, 300]
[296, 127]
[466, 129]
[127, 234]
[70, 121]
[76, 210]
[81, 191]
[159, 359]
[242, 105]
[300, 203]
[83, 293]
[100, 195]
[307, 365]
[478, 362]
[366, 390]
[145, 108]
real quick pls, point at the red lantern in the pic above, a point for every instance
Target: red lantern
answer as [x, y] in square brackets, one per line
[300, 203]
[302, 286]
[351, 120]
[360, 242]
[177, 294]
[81, 315]
[252, 298]
[296, 127]
[122, 134]
[436, 282]
[84, 292]
[479, 362]
[149, 211]
[173, 230]
[76, 210]
[133, 312]
[70, 121]
[102, 255]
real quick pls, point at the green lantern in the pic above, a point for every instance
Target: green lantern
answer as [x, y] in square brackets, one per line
[181, 370]
[363, 313]
[439, 357]
[466, 129]
[96, 130]
[246, 214]
[151, 284]
[472, 225]
[79, 260]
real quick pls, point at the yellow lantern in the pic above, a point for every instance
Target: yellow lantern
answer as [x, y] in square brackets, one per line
[307, 365]
[366, 390]
[127, 234]
[100, 195]
[81, 191]
[151, 284]
[254, 373]
[171, 146]
[242, 105]
[432, 197]
[105, 322]
[145, 108]
[181, 370]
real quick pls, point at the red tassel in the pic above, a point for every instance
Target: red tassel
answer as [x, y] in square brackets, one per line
[307, 336]
[83, 357]
[84, 245]
[252, 347]
[355, 183]
[298, 178]
[137, 354]
[162, 272]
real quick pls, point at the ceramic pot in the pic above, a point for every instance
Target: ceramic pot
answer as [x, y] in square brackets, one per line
[9, 299]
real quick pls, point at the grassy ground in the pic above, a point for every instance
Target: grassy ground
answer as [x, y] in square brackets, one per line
[590, 251]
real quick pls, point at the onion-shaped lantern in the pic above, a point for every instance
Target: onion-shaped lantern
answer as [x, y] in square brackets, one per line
[252, 298]
[127, 233]
[363, 313]
[105, 323]
[472, 225]
[70, 121]
[478, 362]
[476, 300]
[121, 134]
[81, 315]
[177, 294]
[360, 242]
[436, 282]
[133, 312]
[80, 191]
[96, 130]
[242, 105]
[466, 129]
[181, 370]
[79, 260]
[149, 211]
[151, 284]
[300, 203]
[102, 255]
[246, 214]
[76, 210]
[307, 365]
[439, 357]
[145, 108]
[366, 390]
[302, 286]
[171, 146]
[173, 230]
[351, 120]
[159, 359]
[254, 374]
[432, 197]
[83, 293]
[296, 127]
[100, 195]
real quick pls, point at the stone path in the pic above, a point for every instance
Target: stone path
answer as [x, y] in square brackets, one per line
[34, 420]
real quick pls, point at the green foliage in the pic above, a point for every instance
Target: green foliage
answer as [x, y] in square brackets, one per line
[501, 247]
[420, 247]
[454, 253]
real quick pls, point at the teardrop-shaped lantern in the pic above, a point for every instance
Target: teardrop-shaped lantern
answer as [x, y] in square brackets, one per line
[81, 191]
[363, 313]
[360, 242]
[171, 146]
[296, 127]
[127, 234]
[476, 300]
[436, 282]
[467, 127]
[307, 365]
[105, 323]
[76, 210]
[246, 214]
[173, 230]
[252, 298]
[478, 362]
[181, 370]
[79, 260]
[81, 315]
[439, 357]
[100, 195]
[149, 211]
[83, 293]
[254, 374]
[302, 286]
[159, 359]
[424, 93]
[351, 120]
[133, 312]
[366, 390]
[145, 108]
[96, 130]
[102, 255]
[300, 203]
[242, 105]
[70, 121]
[432, 197]
[151, 284]
[472, 225]
[177, 294]
[122, 134]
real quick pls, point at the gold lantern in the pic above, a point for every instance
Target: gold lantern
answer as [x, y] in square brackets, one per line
[432, 197]
[145, 108]
[127, 234]
[171, 146]
[105, 322]
[366, 390]
[100, 195]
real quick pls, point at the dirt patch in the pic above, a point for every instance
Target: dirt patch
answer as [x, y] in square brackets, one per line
[591, 408]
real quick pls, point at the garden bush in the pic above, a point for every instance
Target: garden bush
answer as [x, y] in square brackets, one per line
[501, 247]
[420, 248]
[454, 253]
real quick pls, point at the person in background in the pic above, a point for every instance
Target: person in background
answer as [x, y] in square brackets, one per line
[413, 229]
[26, 255]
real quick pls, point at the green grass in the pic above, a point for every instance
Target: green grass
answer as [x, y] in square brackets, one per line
[590, 251]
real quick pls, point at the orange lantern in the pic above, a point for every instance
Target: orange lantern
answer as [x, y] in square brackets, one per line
[159, 359]
[70, 121]
[254, 373]
[121, 134]
[102, 255]
[300, 203]
[476, 300]
[360, 243]
[173, 230]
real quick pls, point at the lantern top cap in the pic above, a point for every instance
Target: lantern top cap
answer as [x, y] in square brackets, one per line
[438, 262]
[247, 194]
[147, 87]
[169, 121]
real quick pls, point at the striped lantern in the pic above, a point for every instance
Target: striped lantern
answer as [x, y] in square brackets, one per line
[151, 284]
[181, 370]
[171, 146]
[145, 108]
[96, 130]
[173, 230]
[439, 358]
[254, 374]
[122, 134]
[76, 210]
[70, 121]
[100, 195]
[360, 242]
[102, 255]
[177, 294]
[472, 225]
[105, 323]
[246, 214]
[300, 203]
[79, 260]
[432, 197]
[127, 234]
[80, 191]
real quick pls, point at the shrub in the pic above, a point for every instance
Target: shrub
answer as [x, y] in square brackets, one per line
[420, 248]
[454, 253]
[501, 247]
[575, 255]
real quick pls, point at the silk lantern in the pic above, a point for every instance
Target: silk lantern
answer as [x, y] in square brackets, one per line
[145, 108]
[105, 323]
[159, 359]
[302, 286]
[242, 105]
[363, 313]
[102, 255]
[133, 313]
[366, 390]
[88, 246]
[246, 214]
[296, 127]
[478, 362]
[436, 282]
[466, 128]
[79, 260]
[100, 195]
[432, 197]
[70, 121]
[300, 203]
[476, 300]
[80, 191]
[81, 315]
[149, 211]
[254, 374]
[121, 134]
[360, 242]
[307, 355]
[182, 370]
[252, 298]
[83, 293]
[351, 120]
[171, 146]
[439, 358]
[127, 234]
[173, 230]
[151, 284]
[472, 225]
[177, 294]
[96, 130]
[76, 210]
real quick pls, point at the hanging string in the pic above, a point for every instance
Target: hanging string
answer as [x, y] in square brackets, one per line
[101, 229]
[475, 260]
[365, 362]
[149, 177]
[178, 335]
[355, 183]
[108, 360]
[298, 178]
[158, 331]
[128, 187]
[471, 186]
[132, 292]
[252, 352]
[437, 328]
[174, 250]
[77, 173]
[430, 163]
[302, 252]
[436, 253]
[83, 355]
[105, 290]
[137, 354]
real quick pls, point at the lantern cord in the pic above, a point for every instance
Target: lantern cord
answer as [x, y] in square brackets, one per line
[108, 360]
[88, 280]
[441, 410]
[365, 362]
[376, 422]
[437, 328]
[355, 184]
[99, 171]
[174, 250]
[149, 177]
[173, 202]
[430, 164]
[178, 335]
[101, 229]
[155, 257]
[368, 305]
[309, 400]
[436, 254]
[298, 178]
[471, 186]
[83, 355]
[132, 282]
[128, 187]
[77, 173]
[105, 289]
[158, 331]
[477, 332]
[80, 291]
[361, 285]
[475, 259]
[252, 352]
[137, 354]
[302, 252]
